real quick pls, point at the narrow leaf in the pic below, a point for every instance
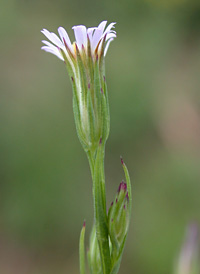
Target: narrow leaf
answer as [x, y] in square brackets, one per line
[82, 250]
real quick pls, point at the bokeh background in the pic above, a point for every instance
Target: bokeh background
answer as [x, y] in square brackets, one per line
[154, 90]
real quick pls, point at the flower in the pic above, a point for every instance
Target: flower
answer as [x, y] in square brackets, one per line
[94, 35]
[85, 64]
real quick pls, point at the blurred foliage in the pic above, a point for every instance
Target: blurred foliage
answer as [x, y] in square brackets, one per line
[153, 81]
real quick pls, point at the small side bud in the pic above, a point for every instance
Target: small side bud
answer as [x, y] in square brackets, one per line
[118, 222]
[101, 91]
[118, 218]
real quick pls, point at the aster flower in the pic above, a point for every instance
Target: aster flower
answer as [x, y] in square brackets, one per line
[84, 59]
[85, 62]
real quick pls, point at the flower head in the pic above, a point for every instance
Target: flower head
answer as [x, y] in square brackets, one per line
[96, 36]
[84, 59]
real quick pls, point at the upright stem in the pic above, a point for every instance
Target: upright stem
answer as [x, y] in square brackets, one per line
[99, 196]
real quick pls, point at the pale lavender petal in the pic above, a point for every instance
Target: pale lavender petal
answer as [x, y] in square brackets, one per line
[95, 39]
[63, 34]
[53, 51]
[90, 33]
[102, 25]
[107, 46]
[53, 38]
[97, 34]
[80, 35]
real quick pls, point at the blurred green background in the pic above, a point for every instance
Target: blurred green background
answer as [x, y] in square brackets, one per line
[154, 90]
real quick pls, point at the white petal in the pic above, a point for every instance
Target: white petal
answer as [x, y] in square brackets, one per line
[52, 46]
[63, 34]
[80, 35]
[53, 38]
[53, 51]
[110, 35]
[109, 27]
[48, 43]
[107, 46]
[97, 35]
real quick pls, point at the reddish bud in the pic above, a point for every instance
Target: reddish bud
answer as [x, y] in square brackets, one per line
[122, 186]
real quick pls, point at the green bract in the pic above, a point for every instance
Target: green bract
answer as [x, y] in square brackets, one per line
[90, 98]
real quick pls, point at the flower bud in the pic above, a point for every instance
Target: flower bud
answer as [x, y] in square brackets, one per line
[118, 217]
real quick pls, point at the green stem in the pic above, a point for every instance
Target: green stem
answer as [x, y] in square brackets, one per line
[91, 163]
[99, 195]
